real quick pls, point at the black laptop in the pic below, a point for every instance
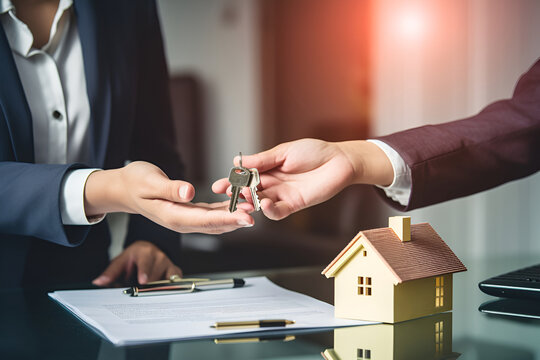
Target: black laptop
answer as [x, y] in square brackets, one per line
[520, 290]
[521, 284]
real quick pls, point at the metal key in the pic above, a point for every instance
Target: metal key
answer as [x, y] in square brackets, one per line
[255, 180]
[239, 178]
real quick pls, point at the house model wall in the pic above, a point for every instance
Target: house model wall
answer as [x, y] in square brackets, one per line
[394, 274]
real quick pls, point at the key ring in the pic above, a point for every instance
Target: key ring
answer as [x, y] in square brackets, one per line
[242, 169]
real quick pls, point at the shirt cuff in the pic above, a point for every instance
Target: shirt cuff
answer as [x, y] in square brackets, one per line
[72, 199]
[400, 189]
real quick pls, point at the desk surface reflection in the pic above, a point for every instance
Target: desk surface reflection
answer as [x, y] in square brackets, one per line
[34, 327]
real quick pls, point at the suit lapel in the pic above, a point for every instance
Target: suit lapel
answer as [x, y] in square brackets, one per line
[94, 44]
[13, 104]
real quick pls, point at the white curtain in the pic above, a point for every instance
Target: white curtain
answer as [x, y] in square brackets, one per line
[442, 60]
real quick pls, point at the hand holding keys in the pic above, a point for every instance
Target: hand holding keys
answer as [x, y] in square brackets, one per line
[240, 177]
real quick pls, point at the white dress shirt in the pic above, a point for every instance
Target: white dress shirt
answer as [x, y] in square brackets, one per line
[400, 189]
[54, 83]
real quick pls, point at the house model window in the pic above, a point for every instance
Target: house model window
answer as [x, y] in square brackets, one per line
[439, 291]
[363, 354]
[439, 337]
[364, 285]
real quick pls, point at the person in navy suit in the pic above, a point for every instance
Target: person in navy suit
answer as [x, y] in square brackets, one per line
[83, 91]
[413, 168]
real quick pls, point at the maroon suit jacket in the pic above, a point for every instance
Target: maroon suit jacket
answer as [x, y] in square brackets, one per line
[460, 158]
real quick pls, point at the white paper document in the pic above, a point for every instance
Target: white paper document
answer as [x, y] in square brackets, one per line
[126, 320]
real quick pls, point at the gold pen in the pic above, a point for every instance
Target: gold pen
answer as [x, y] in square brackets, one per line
[225, 325]
[283, 338]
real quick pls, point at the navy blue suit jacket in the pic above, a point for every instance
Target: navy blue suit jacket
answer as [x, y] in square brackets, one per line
[127, 86]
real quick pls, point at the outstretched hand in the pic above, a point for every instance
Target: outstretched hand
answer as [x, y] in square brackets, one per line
[142, 188]
[303, 173]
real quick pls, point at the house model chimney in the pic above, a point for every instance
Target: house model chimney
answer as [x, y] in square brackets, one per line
[401, 226]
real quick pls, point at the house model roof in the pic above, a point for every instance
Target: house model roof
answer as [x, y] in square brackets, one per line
[425, 255]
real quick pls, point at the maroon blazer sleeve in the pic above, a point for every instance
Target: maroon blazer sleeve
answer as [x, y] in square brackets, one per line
[460, 158]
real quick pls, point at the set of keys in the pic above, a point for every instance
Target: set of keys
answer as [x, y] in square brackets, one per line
[241, 177]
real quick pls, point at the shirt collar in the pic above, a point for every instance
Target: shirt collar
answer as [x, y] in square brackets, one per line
[59, 24]
[5, 6]
[19, 36]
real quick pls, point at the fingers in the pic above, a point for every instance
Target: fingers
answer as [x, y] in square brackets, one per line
[276, 211]
[265, 160]
[246, 206]
[116, 269]
[202, 218]
[159, 186]
[173, 270]
[175, 190]
[155, 265]
[145, 268]
[221, 205]
[224, 205]
[246, 194]
[146, 180]
[220, 186]
[149, 261]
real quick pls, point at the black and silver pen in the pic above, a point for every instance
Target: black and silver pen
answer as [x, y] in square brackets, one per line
[170, 289]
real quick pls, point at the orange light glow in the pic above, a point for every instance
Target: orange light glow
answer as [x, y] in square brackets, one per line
[411, 23]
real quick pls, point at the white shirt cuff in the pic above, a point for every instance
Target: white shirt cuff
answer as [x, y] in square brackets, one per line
[400, 189]
[72, 198]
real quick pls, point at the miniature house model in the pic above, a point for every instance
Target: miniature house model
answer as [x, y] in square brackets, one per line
[394, 274]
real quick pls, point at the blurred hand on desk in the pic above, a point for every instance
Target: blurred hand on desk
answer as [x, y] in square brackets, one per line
[142, 261]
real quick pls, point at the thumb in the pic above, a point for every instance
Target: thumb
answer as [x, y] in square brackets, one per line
[175, 190]
[264, 161]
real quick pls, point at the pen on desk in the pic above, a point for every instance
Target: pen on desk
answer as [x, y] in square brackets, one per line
[159, 290]
[171, 284]
[170, 289]
[225, 325]
[283, 338]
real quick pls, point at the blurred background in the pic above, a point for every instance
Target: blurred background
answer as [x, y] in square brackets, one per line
[249, 74]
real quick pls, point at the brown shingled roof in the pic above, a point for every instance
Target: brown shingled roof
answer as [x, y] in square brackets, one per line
[426, 255]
